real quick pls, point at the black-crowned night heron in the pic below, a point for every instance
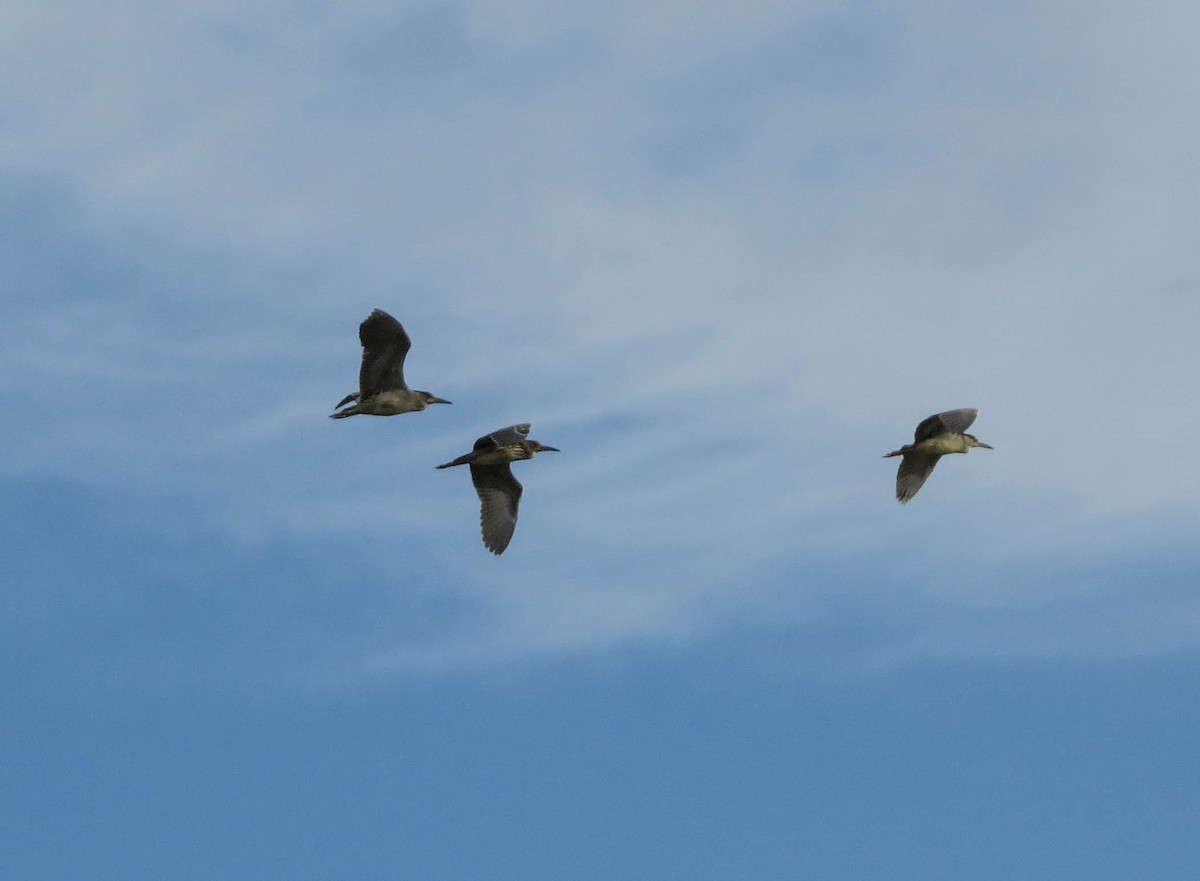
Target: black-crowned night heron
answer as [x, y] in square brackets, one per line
[936, 436]
[381, 387]
[499, 493]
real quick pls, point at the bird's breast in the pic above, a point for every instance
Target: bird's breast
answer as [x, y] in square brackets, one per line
[943, 444]
[391, 403]
[501, 456]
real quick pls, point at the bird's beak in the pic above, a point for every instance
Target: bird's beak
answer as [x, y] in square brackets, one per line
[986, 446]
[439, 401]
[551, 450]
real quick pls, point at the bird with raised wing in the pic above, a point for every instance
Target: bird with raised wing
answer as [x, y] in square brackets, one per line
[381, 387]
[936, 436]
[498, 491]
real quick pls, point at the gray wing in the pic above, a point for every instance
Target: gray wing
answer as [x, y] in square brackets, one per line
[915, 469]
[952, 421]
[385, 346]
[499, 494]
[503, 437]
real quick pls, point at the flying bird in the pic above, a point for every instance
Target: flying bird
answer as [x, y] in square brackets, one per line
[381, 387]
[936, 436]
[499, 493]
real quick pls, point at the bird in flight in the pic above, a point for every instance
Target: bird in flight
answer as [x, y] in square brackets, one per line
[381, 387]
[936, 436]
[498, 491]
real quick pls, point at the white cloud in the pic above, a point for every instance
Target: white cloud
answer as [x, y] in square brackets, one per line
[723, 303]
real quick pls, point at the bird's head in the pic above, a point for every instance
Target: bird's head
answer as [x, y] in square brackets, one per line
[427, 398]
[973, 441]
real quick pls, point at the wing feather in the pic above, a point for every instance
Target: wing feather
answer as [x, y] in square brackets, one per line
[385, 346]
[503, 437]
[499, 495]
[914, 470]
[950, 421]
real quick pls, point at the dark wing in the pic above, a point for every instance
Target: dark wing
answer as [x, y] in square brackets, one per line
[499, 495]
[503, 437]
[385, 345]
[952, 421]
[915, 469]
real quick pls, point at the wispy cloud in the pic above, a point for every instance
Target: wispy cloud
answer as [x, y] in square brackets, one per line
[723, 274]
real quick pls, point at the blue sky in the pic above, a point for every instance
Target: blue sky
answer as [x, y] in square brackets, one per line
[724, 256]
